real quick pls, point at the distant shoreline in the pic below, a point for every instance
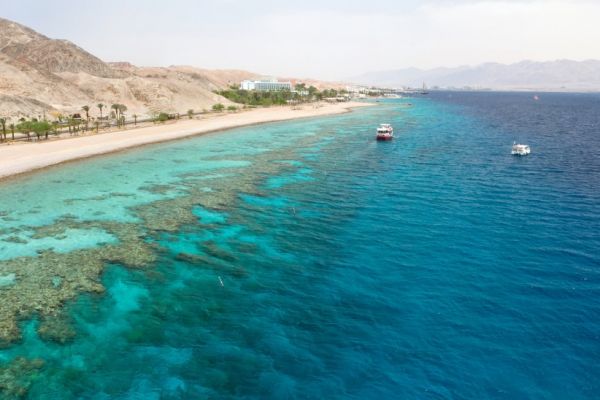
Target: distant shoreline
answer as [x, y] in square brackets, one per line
[21, 158]
[501, 90]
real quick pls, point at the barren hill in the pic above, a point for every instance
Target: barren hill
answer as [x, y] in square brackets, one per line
[39, 75]
[29, 47]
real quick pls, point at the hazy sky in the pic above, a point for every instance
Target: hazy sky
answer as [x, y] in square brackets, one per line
[319, 38]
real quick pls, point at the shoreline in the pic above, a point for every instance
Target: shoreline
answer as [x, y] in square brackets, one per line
[23, 158]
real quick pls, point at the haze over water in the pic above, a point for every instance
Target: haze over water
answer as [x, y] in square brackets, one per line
[305, 260]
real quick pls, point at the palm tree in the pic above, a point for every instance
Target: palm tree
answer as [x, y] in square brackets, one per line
[71, 125]
[87, 112]
[3, 123]
[100, 106]
[122, 109]
[12, 130]
[116, 108]
[87, 116]
[134, 119]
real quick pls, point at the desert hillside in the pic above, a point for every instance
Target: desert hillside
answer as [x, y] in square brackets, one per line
[40, 75]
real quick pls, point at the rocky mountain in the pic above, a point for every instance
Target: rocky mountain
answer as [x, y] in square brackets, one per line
[525, 75]
[40, 75]
[27, 46]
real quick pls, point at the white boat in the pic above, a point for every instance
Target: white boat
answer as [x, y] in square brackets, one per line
[520, 149]
[385, 132]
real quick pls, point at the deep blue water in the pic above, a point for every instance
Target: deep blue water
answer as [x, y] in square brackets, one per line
[436, 266]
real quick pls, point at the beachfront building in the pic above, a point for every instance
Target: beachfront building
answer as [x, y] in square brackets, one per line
[265, 85]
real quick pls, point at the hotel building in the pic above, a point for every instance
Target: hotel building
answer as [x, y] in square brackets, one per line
[265, 85]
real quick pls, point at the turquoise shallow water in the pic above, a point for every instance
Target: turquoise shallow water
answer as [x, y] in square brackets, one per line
[318, 263]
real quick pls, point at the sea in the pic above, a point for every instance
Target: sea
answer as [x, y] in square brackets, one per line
[305, 260]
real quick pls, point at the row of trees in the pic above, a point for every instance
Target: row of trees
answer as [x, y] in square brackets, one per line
[27, 127]
[117, 113]
[279, 97]
[220, 107]
[39, 128]
[11, 126]
[74, 123]
[248, 98]
[257, 98]
[42, 128]
[312, 93]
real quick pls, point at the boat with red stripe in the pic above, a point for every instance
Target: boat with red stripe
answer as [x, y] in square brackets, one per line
[385, 132]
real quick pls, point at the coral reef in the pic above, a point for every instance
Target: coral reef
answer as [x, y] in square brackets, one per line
[43, 284]
[39, 286]
[17, 376]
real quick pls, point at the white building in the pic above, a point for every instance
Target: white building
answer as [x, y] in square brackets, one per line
[265, 85]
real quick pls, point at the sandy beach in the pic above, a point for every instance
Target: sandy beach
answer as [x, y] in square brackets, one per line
[25, 157]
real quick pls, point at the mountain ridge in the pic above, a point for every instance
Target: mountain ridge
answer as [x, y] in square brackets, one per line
[40, 75]
[560, 74]
[54, 55]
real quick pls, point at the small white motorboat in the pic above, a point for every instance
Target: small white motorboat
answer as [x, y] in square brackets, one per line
[520, 149]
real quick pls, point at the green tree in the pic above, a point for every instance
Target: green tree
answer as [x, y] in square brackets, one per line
[3, 123]
[232, 108]
[190, 113]
[24, 127]
[87, 112]
[162, 117]
[100, 106]
[33, 126]
[122, 109]
[258, 98]
[73, 125]
[55, 128]
[41, 128]
[115, 107]
[12, 130]
[218, 107]
[87, 116]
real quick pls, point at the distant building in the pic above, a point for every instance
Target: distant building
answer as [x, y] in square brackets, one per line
[265, 85]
